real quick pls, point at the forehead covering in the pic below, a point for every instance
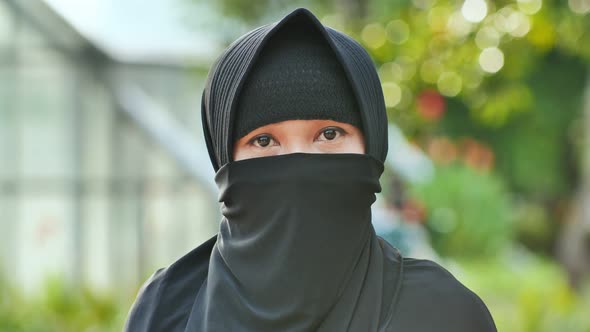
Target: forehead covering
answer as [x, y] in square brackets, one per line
[229, 72]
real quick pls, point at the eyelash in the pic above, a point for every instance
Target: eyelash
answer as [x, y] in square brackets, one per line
[323, 130]
[339, 130]
[254, 139]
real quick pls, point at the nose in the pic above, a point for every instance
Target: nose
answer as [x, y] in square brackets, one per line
[297, 147]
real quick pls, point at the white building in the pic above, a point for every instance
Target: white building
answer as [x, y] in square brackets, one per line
[103, 172]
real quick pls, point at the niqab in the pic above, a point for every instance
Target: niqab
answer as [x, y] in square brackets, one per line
[296, 249]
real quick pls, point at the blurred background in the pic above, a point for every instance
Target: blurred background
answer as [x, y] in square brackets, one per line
[104, 174]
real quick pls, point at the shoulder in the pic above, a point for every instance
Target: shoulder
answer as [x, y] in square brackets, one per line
[432, 299]
[177, 284]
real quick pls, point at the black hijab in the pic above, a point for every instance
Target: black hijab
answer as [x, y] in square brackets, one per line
[229, 73]
[296, 250]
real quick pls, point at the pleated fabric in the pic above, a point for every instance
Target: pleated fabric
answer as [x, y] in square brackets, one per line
[296, 252]
[231, 69]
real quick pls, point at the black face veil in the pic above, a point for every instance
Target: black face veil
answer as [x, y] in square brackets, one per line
[296, 250]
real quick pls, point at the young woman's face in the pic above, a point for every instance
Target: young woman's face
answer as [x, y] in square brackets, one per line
[305, 136]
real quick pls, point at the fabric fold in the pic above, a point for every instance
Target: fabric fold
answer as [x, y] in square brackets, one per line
[296, 249]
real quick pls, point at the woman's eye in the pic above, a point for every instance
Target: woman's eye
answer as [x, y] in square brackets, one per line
[262, 141]
[330, 134]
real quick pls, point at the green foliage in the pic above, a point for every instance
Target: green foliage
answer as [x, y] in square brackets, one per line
[255, 12]
[536, 151]
[528, 110]
[468, 211]
[59, 308]
[526, 293]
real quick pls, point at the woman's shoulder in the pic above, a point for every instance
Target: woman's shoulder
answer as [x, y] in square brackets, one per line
[172, 285]
[432, 299]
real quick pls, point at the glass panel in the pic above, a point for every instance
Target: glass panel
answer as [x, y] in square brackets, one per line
[8, 125]
[96, 240]
[124, 240]
[160, 165]
[45, 246]
[8, 243]
[97, 117]
[45, 105]
[131, 150]
[187, 101]
[160, 209]
[199, 215]
[177, 217]
[39, 56]
[6, 26]
[29, 37]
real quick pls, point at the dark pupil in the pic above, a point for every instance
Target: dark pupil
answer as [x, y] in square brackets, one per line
[263, 141]
[330, 134]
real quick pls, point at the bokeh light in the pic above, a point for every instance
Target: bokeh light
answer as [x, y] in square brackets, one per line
[437, 18]
[423, 4]
[389, 72]
[487, 37]
[374, 35]
[430, 70]
[449, 84]
[442, 150]
[407, 98]
[392, 94]
[397, 31]
[579, 6]
[530, 7]
[458, 25]
[520, 24]
[507, 19]
[474, 10]
[472, 77]
[491, 59]
[430, 105]
[407, 67]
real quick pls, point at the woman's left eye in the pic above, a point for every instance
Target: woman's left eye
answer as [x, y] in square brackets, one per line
[330, 134]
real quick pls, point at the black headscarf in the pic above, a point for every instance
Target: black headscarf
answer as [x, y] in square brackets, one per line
[296, 250]
[229, 73]
[296, 76]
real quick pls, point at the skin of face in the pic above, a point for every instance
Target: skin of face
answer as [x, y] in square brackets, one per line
[300, 136]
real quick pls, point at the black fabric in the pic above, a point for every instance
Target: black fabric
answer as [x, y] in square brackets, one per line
[297, 251]
[296, 77]
[431, 299]
[229, 73]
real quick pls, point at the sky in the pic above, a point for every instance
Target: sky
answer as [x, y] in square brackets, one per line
[142, 30]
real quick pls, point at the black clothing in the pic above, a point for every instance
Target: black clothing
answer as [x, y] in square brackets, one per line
[297, 251]
[296, 77]
[229, 73]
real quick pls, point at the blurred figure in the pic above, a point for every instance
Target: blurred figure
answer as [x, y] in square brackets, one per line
[400, 222]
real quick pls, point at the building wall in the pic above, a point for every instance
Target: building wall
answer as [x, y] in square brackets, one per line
[85, 193]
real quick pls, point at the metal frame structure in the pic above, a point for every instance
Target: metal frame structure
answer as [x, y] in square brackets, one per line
[137, 126]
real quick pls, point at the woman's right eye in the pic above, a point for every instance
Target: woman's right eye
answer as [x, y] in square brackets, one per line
[262, 141]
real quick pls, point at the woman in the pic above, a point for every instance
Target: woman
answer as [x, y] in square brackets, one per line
[296, 128]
